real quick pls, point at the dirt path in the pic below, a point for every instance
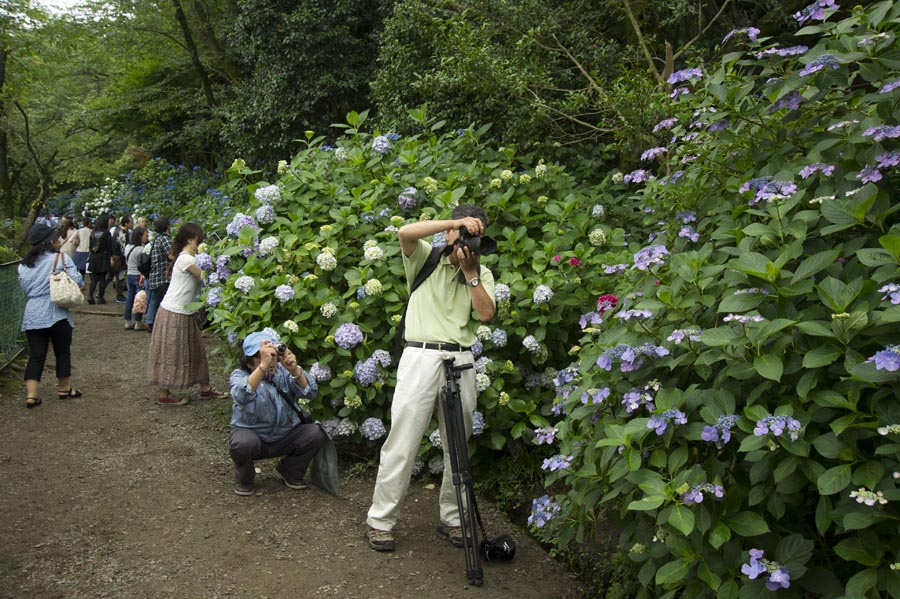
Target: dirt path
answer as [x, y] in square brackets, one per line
[115, 496]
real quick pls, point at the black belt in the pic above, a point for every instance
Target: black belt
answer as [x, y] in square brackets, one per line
[437, 346]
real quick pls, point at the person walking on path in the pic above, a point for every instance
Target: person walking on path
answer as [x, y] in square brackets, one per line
[438, 318]
[262, 425]
[44, 322]
[83, 251]
[68, 235]
[100, 262]
[177, 358]
[121, 237]
[158, 281]
[133, 253]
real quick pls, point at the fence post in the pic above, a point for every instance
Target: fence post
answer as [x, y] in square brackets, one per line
[12, 307]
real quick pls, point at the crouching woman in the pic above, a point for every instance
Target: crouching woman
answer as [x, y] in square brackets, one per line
[265, 419]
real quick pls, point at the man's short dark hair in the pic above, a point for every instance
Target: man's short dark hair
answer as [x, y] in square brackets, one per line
[472, 210]
[160, 224]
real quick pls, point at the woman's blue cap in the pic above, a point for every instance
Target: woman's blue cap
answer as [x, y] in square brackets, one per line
[253, 341]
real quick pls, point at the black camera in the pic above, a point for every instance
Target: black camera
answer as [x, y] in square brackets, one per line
[280, 349]
[481, 245]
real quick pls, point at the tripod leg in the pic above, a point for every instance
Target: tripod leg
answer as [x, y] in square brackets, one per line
[462, 480]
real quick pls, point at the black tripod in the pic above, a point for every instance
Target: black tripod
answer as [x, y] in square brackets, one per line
[459, 465]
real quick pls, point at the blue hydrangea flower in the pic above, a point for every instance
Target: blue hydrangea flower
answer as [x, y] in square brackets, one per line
[546, 434]
[213, 296]
[348, 335]
[409, 198]
[650, 256]
[372, 429]
[542, 511]
[777, 425]
[696, 493]
[685, 75]
[499, 336]
[882, 132]
[381, 145]
[815, 11]
[557, 462]
[265, 215]
[321, 371]
[501, 292]
[477, 423]
[542, 294]
[240, 221]
[222, 267]
[816, 167]
[268, 195]
[284, 293]
[887, 359]
[204, 261]
[382, 357]
[891, 291]
[659, 422]
[366, 372]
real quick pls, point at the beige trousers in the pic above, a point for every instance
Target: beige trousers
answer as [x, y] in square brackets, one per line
[420, 377]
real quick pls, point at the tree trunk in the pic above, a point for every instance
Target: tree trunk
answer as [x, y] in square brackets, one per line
[195, 56]
[6, 186]
[208, 35]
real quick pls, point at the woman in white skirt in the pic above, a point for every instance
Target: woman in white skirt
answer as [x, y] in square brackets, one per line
[177, 358]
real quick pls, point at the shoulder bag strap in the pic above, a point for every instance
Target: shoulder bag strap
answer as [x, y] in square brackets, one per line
[56, 262]
[429, 267]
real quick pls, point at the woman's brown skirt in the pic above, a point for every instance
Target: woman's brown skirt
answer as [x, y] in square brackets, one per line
[177, 358]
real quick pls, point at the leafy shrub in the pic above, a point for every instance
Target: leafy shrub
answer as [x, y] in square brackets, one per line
[316, 251]
[735, 410]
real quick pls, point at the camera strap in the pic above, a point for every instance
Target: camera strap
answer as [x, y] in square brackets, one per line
[304, 419]
[429, 267]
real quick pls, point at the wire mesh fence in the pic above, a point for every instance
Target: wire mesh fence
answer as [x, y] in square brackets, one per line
[12, 305]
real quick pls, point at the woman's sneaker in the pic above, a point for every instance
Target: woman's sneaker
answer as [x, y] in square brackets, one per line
[129, 325]
[172, 401]
[243, 490]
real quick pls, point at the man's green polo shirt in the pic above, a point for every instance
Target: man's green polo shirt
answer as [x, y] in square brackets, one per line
[441, 308]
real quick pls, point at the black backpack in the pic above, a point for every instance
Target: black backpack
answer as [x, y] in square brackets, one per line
[144, 263]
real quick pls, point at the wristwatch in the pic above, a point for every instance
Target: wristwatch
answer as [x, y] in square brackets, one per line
[473, 282]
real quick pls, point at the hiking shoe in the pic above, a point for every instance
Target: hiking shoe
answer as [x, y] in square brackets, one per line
[243, 490]
[129, 325]
[289, 482]
[172, 401]
[140, 326]
[380, 540]
[453, 533]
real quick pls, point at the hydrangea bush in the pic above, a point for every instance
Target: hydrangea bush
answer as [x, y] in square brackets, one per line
[748, 444]
[314, 254]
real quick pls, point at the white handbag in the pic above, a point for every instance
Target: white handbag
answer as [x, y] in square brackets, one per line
[64, 292]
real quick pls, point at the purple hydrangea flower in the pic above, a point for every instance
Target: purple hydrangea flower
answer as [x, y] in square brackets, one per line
[321, 371]
[382, 357]
[888, 159]
[790, 100]
[779, 579]
[720, 431]
[348, 335]
[659, 422]
[777, 425]
[637, 176]
[499, 337]
[650, 256]
[477, 348]
[679, 335]
[665, 124]
[685, 75]
[891, 291]
[408, 199]
[816, 167]
[815, 11]
[595, 396]
[639, 397]
[542, 511]
[882, 132]
[501, 292]
[546, 434]
[688, 232]
[557, 462]
[783, 52]
[372, 429]
[366, 372]
[240, 221]
[222, 267]
[678, 92]
[753, 569]
[653, 153]
[752, 34]
[284, 293]
[869, 175]
[213, 296]
[685, 217]
[889, 87]
[204, 261]
[626, 315]
[887, 359]
[696, 493]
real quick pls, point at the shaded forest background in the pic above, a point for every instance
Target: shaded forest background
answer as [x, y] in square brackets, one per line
[97, 92]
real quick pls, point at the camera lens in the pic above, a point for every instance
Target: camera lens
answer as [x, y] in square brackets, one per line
[280, 348]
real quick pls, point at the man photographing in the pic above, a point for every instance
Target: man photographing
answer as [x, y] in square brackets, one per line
[438, 324]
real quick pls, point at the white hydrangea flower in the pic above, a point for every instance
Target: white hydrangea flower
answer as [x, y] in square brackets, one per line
[244, 283]
[328, 310]
[268, 245]
[326, 260]
[483, 333]
[482, 381]
[597, 237]
[291, 326]
[269, 195]
[506, 175]
[282, 167]
[373, 287]
[373, 253]
[540, 170]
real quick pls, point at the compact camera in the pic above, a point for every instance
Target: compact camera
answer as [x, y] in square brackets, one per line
[481, 245]
[280, 349]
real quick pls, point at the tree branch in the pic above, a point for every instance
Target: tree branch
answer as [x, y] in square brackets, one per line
[705, 29]
[626, 4]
